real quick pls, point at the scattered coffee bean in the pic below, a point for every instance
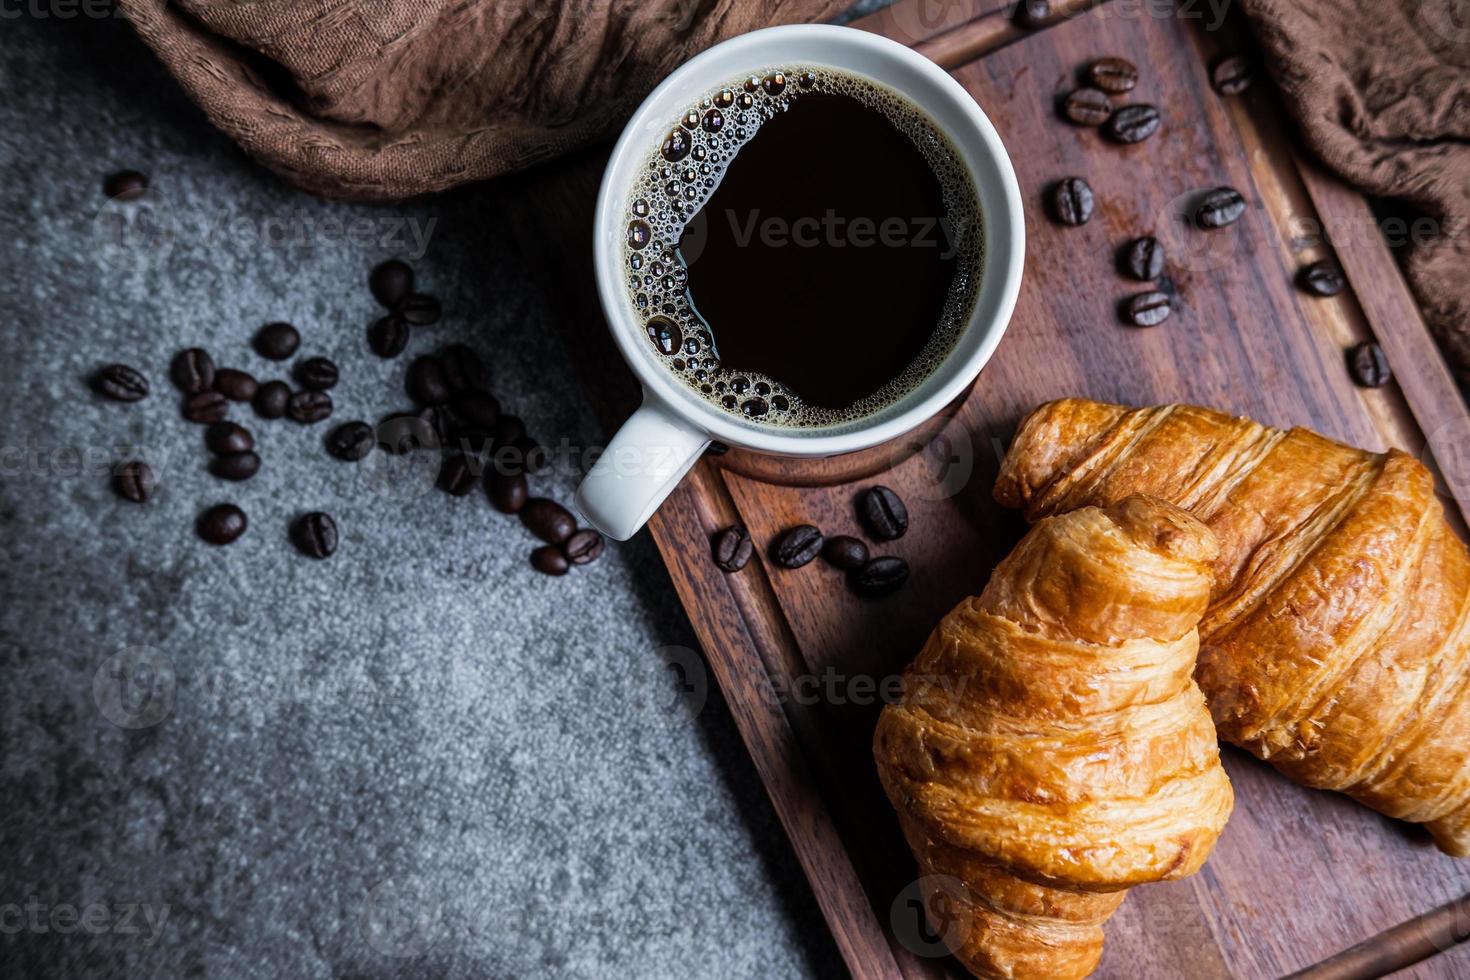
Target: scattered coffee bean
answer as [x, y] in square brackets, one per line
[880, 577]
[797, 546]
[222, 524]
[462, 368]
[121, 383]
[438, 419]
[533, 455]
[548, 520]
[226, 438]
[193, 371]
[1147, 309]
[471, 442]
[507, 429]
[315, 534]
[1232, 74]
[309, 407]
[1322, 278]
[388, 336]
[420, 309]
[548, 560]
[1143, 259]
[237, 466]
[478, 408]
[1132, 123]
[133, 480]
[351, 441]
[1032, 14]
[426, 383]
[1218, 208]
[583, 547]
[1071, 201]
[732, 548]
[1113, 75]
[1087, 106]
[271, 399]
[508, 492]
[1369, 365]
[317, 373]
[126, 185]
[845, 552]
[404, 433]
[206, 406]
[884, 513]
[391, 282]
[277, 341]
[237, 386]
[456, 475]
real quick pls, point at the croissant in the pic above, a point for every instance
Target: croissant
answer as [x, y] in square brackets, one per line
[1051, 749]
[1335, 646]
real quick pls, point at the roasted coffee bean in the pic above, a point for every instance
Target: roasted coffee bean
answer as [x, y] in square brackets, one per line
[1232, 74]
[584, 547]
[1322, 278]
[533, 455]
[1132, 123]
[884, 513]
[439, 420]
[126, 185]
[1071, 201]
[507, 429]
[797, 546]
[732, 548]
[548, 520]
[471, 442]
[420, 309]
[1218, 208]
[121, 383]
[351, 441]
[845, 552]
[463, 368]
[388, 336]
[1113, 75]
[880, 577]
[1087, 106]
[477, 408]
[133, 480]
[271, 399]
[317, 373]
[309, 407]
[226, 438]
[315, 534]
[277, 341]
[193, 371]
[508, 492]
[426, 383]
[236, 466]
[237, 386]
[1147, 309]
[456, 474]
[221, 524]
[1369, 365]
[1032, 14]
[548, 560]
[207, 406]
[1143, 259]
[390, 282]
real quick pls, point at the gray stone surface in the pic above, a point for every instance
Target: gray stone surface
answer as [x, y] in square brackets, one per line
[416, 759]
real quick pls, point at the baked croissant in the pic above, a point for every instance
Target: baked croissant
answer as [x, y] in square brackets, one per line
[1335, 645]
[1050, 748]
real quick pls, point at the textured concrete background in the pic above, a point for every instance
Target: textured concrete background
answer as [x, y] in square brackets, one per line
[418, 758]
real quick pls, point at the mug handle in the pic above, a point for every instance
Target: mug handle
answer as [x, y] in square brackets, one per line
[640, 467]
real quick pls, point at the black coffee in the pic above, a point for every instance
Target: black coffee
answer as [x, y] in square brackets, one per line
[804, 247]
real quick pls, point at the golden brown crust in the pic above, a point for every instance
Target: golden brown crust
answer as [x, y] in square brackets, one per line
[1337, 642]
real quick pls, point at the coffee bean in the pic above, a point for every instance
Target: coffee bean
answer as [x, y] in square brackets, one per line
[221, 524]
[471, 442]
[1218, 208]
[732, 548]
[507, 429]
[237, 386]
[548, 520]
[237, 466]
[207, 406]
[351, 441]
[1369, 365]
[583, 547]
[1032, 14]
[1132, 123]
[309, 407]
[1071, 201]
[880, 577]
[438, 419]
[271, 399]
[456, 475]
[1143, 259]
[1232, 74]
[133, 480]
[226, 438]
[315, 534]
[388, 336]
[548, 560]
[845, 552]
[462, 368]
[126, 185]
[390, 282]
[797, 546]
[1147, 309]
[403, 433]
[426, 383]
[317, 373]
[420, 309]
[121, 383]
[884, 513]
[507, 491]
[1113, 75]
[1322, 278]
[193, 371]
[1087, 106]
[277, 341]
[533, 455]
[478, 408]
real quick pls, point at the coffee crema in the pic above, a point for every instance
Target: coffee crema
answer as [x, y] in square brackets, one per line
[803, 247]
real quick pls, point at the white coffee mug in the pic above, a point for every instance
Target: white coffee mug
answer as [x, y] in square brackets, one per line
[664, 438]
